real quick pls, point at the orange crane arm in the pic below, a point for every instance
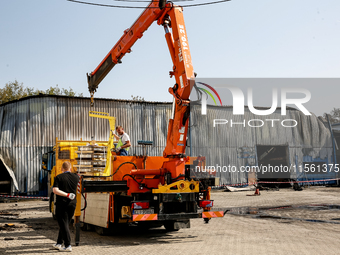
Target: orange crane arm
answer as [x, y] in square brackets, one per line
[123, 46]
[171, 18]
[185, 80]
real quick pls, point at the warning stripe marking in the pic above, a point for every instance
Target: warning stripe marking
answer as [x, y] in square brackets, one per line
[255, 183]
[78, 188]
[144, 217]
[78, 185]
[214, 214]
[24, 197]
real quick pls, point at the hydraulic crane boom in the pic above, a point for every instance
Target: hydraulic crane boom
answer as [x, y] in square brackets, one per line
[145, 190]
[123, 46]
[171, 18]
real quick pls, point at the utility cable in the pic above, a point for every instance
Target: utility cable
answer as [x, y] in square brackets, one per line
[139, 7]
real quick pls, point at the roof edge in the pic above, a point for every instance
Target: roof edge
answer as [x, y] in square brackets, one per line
[96, 99]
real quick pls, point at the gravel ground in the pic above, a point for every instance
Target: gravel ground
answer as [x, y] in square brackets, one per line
[277, 222]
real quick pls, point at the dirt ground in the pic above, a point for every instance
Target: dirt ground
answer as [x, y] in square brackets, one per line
[276, 222]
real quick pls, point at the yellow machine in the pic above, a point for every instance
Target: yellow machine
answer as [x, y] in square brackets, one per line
[130, 189]
[75, 151]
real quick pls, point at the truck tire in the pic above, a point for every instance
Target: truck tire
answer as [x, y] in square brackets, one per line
[101, 231]
[86, 227]
[54, 216]
[145, 225]
[52, 205]
[170, 226]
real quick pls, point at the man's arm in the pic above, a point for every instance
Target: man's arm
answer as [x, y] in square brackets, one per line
[61, 193]
[126, 145]
[116, 136]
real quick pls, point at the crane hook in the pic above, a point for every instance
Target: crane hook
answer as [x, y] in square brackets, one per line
[92, 99]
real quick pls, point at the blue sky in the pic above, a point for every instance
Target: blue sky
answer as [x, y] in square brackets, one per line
[44, 43]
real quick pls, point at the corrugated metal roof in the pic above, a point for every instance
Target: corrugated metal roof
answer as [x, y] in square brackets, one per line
[62, 96]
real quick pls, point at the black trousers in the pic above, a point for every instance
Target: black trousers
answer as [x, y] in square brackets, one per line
[64, 213]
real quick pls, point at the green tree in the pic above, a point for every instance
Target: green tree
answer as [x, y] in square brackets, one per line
[15, 90]
[334, 115]
[137, 98]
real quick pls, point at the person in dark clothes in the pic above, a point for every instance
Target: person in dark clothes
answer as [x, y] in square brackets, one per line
[65, 187]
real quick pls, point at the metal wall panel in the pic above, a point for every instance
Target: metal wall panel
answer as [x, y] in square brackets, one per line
[222, 144]
[28, 128]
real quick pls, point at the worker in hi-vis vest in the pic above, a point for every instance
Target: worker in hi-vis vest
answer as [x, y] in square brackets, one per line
[123, 145]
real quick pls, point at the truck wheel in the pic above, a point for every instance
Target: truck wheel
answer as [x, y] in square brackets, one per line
[86, 227]
[52, 205]
[54, 216]
[170, 226]
[83, 226]
[144, 225]
[101, 231]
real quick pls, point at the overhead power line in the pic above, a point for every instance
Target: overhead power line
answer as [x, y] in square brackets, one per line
[139, 7]
[142, 1]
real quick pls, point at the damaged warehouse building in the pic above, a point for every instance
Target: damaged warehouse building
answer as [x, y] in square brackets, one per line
[29, 128]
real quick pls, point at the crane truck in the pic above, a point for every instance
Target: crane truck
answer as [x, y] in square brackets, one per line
[144, 190]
